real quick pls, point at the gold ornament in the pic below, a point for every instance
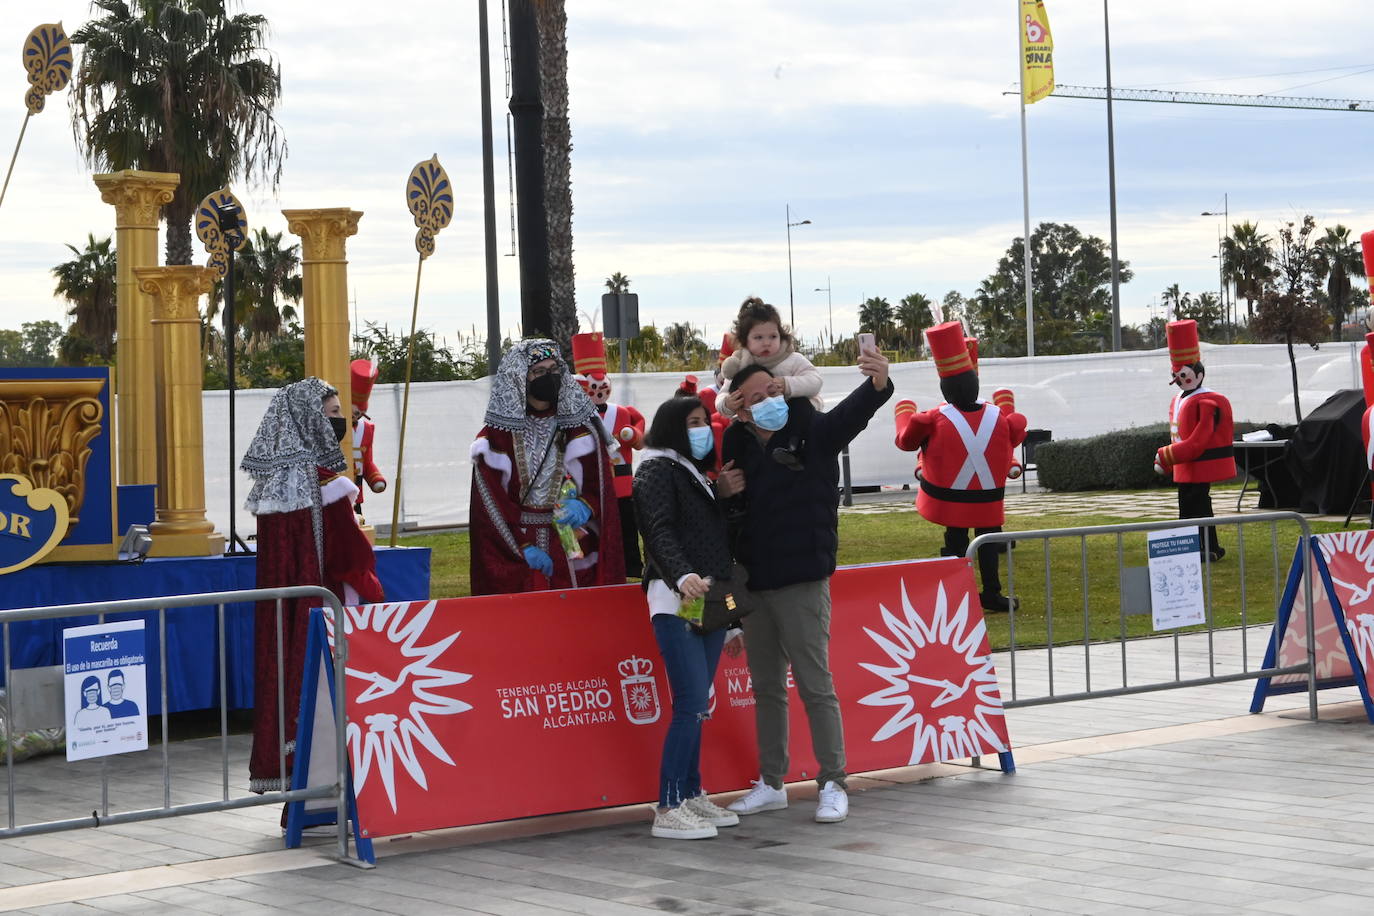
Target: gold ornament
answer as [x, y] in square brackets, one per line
[46, 430]
[218, 243]
[429, 197]
[48, 61]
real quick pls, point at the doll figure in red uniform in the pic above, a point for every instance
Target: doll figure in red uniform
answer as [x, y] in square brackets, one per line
[365, 470]
[966, 447]
[625, 427]
[1200, 450]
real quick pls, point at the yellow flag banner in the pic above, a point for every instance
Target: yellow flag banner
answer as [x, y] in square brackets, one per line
[1037, 52]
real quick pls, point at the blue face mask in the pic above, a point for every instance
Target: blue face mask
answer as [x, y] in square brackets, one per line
[701, 440]
[770, 414]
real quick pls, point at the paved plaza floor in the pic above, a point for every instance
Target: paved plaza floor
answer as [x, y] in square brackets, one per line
[1175, 802]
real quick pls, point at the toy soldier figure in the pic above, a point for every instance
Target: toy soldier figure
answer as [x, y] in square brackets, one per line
[1200, 450]
[364, 377]
[625, 427]
[966, 448]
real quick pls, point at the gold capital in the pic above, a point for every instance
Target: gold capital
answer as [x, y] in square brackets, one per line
[323, 231]
[176, 290]
[138, 197]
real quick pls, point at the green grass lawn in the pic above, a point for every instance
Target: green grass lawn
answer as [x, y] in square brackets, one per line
[1083, 605]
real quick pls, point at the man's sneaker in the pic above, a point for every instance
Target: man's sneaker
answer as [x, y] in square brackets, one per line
[762, 797]
[832, 805]
[710, 812]
[681, 823]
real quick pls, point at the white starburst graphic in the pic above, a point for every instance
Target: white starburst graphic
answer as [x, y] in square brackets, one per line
[396, 727]
[953, 716]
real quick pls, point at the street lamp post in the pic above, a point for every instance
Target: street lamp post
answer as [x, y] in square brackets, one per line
[829, 312]
[791, 302]
[1225, 214]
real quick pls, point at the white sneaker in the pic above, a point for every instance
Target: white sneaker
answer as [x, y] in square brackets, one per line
[832, 805]
[762, 797]
[710, 812]
[681, 824]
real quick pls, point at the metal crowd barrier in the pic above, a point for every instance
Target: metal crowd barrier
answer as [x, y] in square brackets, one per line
[1021, 542]
[333, 790]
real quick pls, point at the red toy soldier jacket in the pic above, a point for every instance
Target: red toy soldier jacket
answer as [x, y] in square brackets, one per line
[364, 432]
[1202, 434]
[625, 426]
[964, 462]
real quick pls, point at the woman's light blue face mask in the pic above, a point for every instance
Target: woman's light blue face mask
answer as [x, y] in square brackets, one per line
[770, 414]
[702, 441]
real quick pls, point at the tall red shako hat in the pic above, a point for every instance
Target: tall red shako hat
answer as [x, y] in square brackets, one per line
[589, 355]
[971, 343]
[947, 348]
[362, 377]
[1184, 349]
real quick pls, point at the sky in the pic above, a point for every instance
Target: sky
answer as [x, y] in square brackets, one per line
[697, 127]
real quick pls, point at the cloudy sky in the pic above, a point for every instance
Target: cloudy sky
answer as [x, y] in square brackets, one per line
[695, 125]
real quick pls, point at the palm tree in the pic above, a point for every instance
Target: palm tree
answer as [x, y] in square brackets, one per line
[88, 282]
[683, 341]
[1338, 257]
[913, 316]
[1247, 261]
[1175, 301]
[875, 317]
[552, 23]
[178, 86]
[267, 274]
[618, 283]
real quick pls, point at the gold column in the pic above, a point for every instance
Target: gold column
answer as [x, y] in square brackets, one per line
[181, 529]
[324, 276]
[137, 198]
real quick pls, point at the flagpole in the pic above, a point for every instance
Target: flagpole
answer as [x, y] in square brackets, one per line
[1111, 186]
[22, 128]
[1025, 183]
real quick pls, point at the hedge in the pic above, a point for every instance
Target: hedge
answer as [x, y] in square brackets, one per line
[1119, 460]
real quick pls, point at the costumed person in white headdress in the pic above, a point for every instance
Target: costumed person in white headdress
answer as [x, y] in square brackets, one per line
[1200, 451]
[541, 430]
[364, 376]
[307, 535]
[624, 425]
[966, 448]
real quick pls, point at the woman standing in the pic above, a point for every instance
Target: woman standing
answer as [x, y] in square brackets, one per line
[307, 535]
[685, 546]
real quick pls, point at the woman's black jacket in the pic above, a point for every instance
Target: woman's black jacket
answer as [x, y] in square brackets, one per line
[682, 525]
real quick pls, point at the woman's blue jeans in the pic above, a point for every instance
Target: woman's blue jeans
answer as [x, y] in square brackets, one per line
[690, 659]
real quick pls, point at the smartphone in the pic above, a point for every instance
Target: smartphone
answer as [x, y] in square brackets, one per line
[867, 342]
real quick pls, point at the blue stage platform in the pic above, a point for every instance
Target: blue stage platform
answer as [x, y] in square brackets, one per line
[192, 658]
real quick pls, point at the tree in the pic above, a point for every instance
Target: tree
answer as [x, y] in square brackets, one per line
[913, 316]
[40, 340]
[268, 276]
[1338, 258]
[11, 348]
[618, 283]
[1205, 309]
[1247, 261]
[1292, 315]
[552, 23]
[178, 86]
[88, 282]
[992, 315]
[955, 305]
[1071, 281]
[682, 341]
[875, 317]
[1173, 299]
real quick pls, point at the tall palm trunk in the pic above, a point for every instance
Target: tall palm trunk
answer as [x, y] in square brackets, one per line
[552, 19]
[178, 217]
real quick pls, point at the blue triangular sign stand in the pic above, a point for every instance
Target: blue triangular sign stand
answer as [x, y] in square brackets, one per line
[317, 677]
[1263, 687]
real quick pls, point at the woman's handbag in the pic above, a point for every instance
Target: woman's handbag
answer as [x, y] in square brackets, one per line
[727, 601]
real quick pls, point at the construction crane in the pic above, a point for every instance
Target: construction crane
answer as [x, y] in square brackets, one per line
[1211, 98]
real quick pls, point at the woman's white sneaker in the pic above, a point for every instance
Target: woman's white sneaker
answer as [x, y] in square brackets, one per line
[832, 804]
[710, 812]
[762, 797]
[681, 823]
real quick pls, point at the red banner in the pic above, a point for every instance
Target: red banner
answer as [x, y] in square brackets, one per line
[469, 710]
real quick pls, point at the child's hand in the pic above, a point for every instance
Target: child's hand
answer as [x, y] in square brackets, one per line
[776, 387]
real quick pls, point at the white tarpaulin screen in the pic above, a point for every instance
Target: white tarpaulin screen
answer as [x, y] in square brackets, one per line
[1073, 396]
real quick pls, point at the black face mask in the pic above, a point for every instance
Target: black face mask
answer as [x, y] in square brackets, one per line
[340, 427]
[544, 388]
